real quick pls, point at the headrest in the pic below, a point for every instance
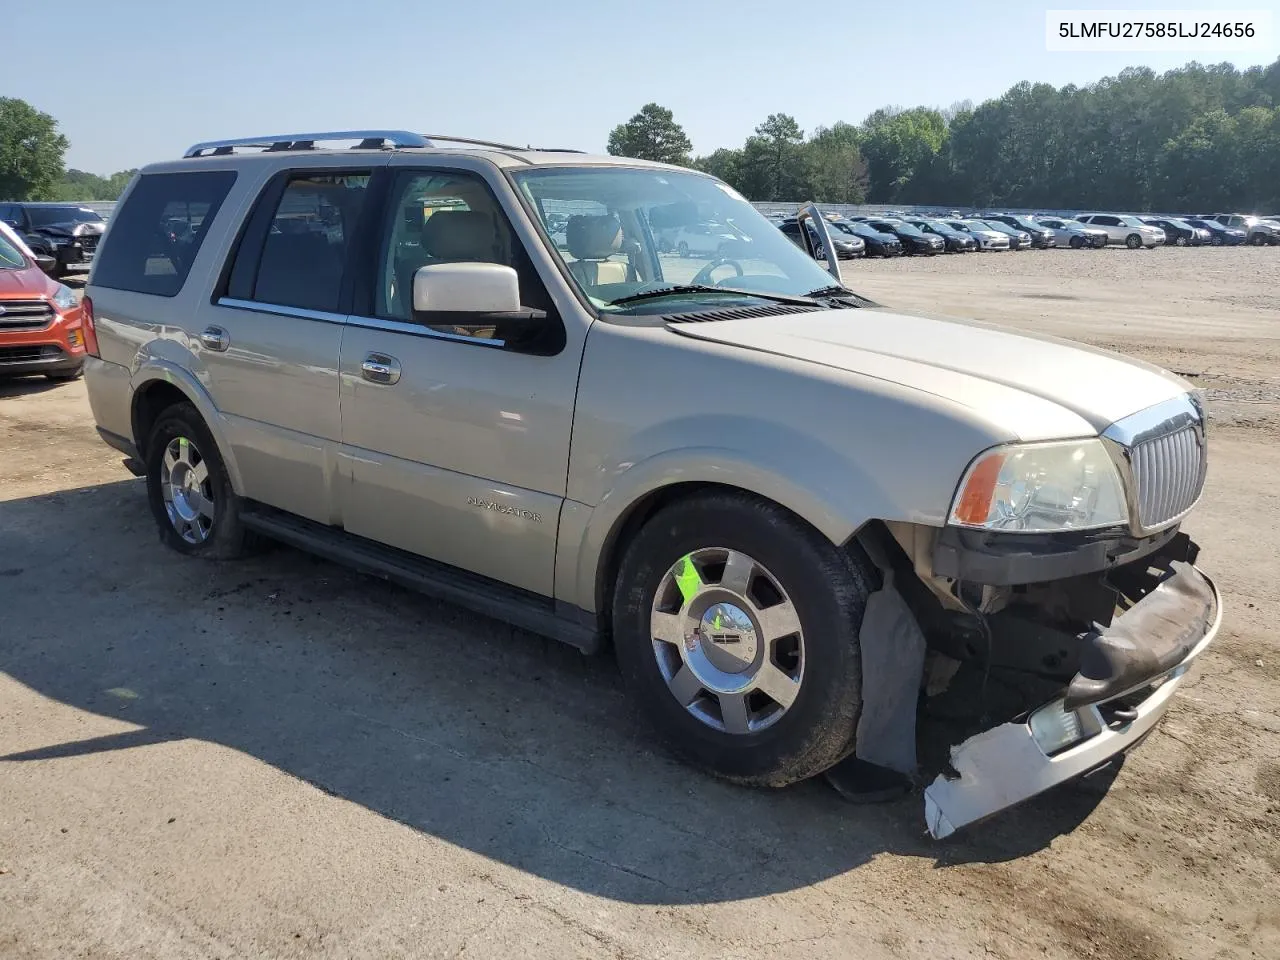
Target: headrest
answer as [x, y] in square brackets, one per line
[593, 238]
[461, 235]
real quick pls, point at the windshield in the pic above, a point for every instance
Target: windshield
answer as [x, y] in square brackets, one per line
[1132, 222]
[627, 230]
[1180, 224]
[10, 256]
[1026, 224]
[47, 216]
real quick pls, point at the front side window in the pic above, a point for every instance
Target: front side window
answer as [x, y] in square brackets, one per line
[450, 216]
[304, 253]
[143, 251]
[632, 232]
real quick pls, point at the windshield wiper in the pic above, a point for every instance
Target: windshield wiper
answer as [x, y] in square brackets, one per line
[679, 288]
[841, 293]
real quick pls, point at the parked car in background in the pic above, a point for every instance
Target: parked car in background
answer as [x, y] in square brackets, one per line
[1179, 233]
[848, 246]
[988, 239]
[41, 328]
[954, 241]
[1073, 233]
[914, 240]
[1125, 229]
[709, 239]
[877, 244]
[64, 231]
[1018, 239]
[1219, 236]
[1258, 231]
[1041, 236]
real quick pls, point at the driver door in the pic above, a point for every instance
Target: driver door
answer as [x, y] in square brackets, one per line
[455, 443]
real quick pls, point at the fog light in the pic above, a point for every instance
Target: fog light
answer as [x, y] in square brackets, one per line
[1054, 729]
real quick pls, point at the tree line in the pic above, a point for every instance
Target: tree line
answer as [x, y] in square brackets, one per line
[1193, 138]
[31, 160]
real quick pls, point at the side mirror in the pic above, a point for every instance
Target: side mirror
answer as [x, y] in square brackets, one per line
[469, 294]
[45, 262]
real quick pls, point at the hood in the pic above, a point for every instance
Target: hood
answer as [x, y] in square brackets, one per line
[71, 228]
[960, 361]
[28, 283]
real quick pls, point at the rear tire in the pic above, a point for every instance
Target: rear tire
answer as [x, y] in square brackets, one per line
[764, 742]
[190, 494]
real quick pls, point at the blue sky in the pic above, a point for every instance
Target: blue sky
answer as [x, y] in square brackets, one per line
[132, 87]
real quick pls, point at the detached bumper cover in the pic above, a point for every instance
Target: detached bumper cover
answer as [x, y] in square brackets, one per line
[1004, 766]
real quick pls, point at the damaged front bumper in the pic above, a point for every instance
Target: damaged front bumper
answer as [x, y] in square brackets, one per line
[1120, 694]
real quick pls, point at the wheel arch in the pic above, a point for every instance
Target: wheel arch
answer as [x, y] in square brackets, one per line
[159, 385]
[618, 517]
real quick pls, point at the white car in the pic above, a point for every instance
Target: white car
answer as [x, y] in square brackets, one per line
[1121, 228]
[987, 238]
[705, 240]
[1073, 233]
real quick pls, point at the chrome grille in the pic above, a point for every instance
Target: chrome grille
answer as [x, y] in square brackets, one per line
[1168, 474]
[24, 314]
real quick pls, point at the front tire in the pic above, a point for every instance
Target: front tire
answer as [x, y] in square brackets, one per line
[736, 626]
[190, 494]
[1133, 241]
[1076, 243]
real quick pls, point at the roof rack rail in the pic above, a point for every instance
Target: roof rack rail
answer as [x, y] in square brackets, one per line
[369, 140]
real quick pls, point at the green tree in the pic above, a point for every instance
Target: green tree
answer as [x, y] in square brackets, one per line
[652, 134]
[896, 144]
[723, 163]
[837, 172]
[31, 151]
[773, 160]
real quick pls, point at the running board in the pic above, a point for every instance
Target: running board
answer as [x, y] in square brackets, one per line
[520, 608]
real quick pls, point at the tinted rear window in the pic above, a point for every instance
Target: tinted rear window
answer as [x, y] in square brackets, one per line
[154, 239]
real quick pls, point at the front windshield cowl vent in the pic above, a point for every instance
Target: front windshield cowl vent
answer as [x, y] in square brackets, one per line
[740, 313]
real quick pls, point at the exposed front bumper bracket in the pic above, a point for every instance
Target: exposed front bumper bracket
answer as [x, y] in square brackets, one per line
[1004, 766]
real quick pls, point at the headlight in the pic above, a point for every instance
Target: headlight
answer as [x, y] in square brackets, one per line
[1041, 488]
[64, 298]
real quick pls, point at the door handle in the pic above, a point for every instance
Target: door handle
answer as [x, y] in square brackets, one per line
[379, 368]
[215, 338]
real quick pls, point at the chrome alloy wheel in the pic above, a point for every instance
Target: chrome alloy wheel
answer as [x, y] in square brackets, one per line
[727, 640]
[188, 496]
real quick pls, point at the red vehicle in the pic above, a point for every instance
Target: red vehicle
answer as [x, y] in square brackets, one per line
[42, 326]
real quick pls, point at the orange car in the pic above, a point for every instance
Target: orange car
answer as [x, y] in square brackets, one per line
[42, 328]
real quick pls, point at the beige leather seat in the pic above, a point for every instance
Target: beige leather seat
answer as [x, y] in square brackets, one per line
[591, 241]
[460, 236]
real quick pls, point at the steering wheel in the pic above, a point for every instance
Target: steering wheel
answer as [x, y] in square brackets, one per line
[703, 276]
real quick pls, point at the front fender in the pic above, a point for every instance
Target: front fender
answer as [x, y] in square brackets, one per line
[820, 503]
[150, 368]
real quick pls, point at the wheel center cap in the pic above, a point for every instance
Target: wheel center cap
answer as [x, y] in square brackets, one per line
[727, 637]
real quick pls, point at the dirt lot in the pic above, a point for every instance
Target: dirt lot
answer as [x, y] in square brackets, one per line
[280, 758]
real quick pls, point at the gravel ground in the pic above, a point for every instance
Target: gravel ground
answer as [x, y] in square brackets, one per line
[279, 758]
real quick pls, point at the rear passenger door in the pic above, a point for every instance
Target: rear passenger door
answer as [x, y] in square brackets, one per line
[460, 452]
[269, 341]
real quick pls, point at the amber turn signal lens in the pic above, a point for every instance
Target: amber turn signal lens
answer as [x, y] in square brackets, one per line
[979, 489]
